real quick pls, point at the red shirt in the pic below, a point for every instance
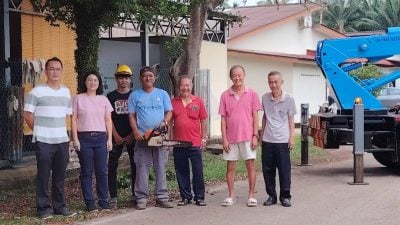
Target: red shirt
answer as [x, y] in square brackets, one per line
[187, 119]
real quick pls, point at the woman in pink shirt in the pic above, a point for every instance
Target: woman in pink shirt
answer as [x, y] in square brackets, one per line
[92, 137]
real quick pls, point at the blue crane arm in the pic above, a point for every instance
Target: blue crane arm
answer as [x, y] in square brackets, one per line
[337, 57]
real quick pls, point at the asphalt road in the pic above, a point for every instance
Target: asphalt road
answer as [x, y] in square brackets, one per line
[321, 196]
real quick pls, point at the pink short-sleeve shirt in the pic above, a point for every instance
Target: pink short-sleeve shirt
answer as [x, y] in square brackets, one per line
[238, 112]
[91, 112]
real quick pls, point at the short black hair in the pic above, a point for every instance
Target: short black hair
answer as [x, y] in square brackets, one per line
[234, 67]
[52, 60]
[82, 86]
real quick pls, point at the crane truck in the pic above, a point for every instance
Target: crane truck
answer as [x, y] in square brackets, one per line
[337, 58]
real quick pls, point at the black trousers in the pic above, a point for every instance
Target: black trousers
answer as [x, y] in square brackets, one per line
[51, 158]
[276, 156]
[113, 158]
[183, 157]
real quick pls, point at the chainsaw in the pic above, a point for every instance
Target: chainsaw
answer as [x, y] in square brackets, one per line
[157, 137]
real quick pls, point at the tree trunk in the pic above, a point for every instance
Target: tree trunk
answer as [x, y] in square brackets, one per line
[188, 62]
[87, 39]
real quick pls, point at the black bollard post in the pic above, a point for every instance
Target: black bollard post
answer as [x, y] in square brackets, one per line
[304, 136]
[358, 143]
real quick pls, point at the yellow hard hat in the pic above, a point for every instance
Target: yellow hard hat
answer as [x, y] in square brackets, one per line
[123, 70]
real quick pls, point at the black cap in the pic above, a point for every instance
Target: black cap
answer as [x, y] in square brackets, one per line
[146, 69]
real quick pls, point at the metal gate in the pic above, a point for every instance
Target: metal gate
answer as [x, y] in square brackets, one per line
[11, 119]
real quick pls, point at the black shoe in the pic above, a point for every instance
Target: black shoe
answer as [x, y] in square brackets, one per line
[91, 209]
[164, 204]
[141, 205]
[270, 201]
[200, 202]
[184, 202]
[105, 207]
[65, 213]
[286, 202]
[46, 216]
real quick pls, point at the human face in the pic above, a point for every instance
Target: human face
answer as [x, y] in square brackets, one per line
[54, 71]
[185, 87]
[92, 83]
[123, 82]
[147, 79]
[237, 76]
[275, 84]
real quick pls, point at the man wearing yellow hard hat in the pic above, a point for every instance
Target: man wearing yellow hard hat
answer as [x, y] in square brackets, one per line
[122, 132]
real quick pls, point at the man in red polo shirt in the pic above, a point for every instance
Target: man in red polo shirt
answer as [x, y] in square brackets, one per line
[189, 124]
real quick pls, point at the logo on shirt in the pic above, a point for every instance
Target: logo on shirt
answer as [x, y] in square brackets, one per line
[121, 106]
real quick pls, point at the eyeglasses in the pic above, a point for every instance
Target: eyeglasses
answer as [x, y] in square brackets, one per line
[52, 69]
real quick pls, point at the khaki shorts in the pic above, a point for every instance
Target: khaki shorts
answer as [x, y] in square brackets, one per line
[240, 150]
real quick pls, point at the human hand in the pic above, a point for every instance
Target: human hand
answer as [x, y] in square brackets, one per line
[109, 145]
[225, 145]
[118, 139]
[254, 142]
[203, 144]
[138, 136]
[291, 142]
[77, 145]
[129, 139]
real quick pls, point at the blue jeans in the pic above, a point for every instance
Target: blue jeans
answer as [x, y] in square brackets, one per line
[276, 156]
[93, 154]
[182, 156]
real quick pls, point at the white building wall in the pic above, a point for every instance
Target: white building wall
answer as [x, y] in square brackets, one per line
[286, 38]
[304, 89]
[309, 86]
[213, 56]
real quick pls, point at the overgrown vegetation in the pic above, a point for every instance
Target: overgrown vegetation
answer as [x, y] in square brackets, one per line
[366, 74]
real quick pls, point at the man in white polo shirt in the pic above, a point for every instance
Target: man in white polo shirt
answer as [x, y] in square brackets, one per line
[45, 111]
[277, 139]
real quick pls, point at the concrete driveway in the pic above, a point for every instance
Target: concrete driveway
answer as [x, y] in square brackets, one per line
[321, 196]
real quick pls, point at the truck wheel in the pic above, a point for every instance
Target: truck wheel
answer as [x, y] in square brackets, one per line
[385, 158]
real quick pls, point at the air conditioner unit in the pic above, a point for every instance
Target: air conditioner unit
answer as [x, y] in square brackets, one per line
[305, 22]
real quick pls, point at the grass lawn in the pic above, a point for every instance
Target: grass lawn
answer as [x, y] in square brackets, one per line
[18, 207]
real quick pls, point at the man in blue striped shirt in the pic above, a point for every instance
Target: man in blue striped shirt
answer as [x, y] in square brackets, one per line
[45, 112]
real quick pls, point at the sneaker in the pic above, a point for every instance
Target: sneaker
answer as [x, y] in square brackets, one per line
[66, 213]
[105, 207]
[92, 209]
[164, 204]
[113, 201]
[200, 202]
[46, 216]
[286, 202]
[141, 205]
[270, 201]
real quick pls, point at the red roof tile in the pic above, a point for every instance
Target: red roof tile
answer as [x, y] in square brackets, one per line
[259, 16]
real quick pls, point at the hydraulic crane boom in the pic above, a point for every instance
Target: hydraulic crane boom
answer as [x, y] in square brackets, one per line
[337, 57]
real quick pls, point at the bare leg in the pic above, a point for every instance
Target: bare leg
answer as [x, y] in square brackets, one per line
[251, 173]
[230, 177]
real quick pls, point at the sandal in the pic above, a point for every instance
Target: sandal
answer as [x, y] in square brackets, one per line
[252, 202]
[184, 202]
[228, 202]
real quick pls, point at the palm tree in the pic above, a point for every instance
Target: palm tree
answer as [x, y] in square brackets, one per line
[339, 14]
[389, 14]
[368, 15]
